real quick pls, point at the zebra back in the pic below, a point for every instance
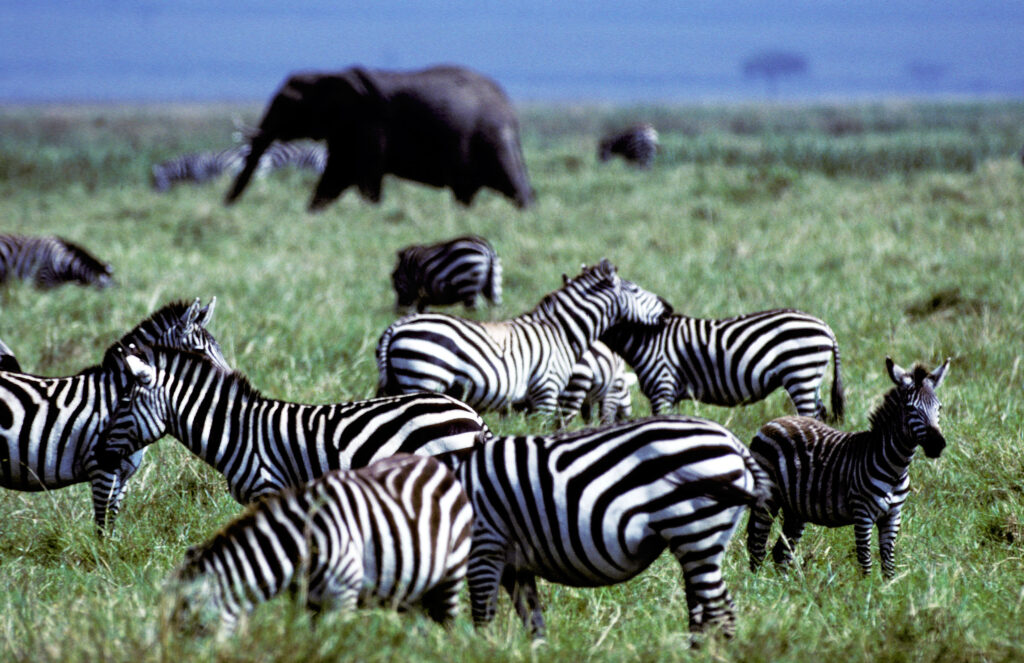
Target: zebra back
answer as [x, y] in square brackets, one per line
[396, 533]
[263, 445]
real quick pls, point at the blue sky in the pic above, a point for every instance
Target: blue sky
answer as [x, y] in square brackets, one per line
[127, 50]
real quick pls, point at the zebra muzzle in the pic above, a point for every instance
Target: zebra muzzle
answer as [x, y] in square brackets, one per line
[933, 443]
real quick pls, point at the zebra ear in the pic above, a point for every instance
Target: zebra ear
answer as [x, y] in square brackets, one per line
[897, 374]
[565, 279]
[206, 313]
[190, 316]
[939, 374]
[143, 372]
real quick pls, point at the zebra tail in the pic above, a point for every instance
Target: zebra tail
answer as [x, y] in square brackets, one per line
[838, 397]
[386, 376]
[492, 288]
[724, 491]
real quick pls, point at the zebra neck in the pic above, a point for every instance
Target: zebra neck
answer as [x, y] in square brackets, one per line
[579, 327]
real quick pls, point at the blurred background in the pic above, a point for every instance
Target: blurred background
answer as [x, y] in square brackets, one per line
[593, 51]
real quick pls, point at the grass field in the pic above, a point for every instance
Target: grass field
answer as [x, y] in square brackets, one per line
[898, 224]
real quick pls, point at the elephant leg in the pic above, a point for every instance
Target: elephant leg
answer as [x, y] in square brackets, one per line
[333, 182]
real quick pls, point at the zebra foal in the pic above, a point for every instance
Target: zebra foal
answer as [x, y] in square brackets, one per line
[732, 361]
[263, 446]
[458, 270]
[394, 533]
[596, 507]
[526, 361]
[599, 381]
[49, 426]
[831, 478]
[51, 261]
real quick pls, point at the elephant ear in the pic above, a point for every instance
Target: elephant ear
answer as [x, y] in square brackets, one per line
[364, 85]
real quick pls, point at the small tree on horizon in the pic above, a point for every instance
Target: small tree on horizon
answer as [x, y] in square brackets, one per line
[772, 65]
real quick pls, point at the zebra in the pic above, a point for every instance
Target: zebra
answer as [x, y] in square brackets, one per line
[49, 426]
[263, 446]
[597, 506]
[832, 478]
[51, 261]
[638, 144]
[599, 379]
[447, 273]
[8, 362]
[733, 361]
[524, 362]
[199, 167]
[395, 533]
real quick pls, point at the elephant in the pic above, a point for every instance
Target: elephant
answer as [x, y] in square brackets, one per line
[441, 126]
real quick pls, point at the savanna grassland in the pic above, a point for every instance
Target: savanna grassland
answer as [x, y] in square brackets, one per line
[898, 224]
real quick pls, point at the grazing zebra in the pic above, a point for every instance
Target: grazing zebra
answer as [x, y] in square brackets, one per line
[263, 446]
[49, 426]
[8, 362]
[599, 379]
[732, 361]
[596, 507]
[50, 261]
[199, 167]
[637, 145]
[447, 273]
[525, 361]
[394, 533]
[831, 478]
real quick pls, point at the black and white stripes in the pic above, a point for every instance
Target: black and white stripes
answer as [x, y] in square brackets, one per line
[732, 361]
[597, 507]
[832, 478]
[199, 167]
[458, 270]
[395, 533]
[50, 261]
[263, 446]
[525, 361]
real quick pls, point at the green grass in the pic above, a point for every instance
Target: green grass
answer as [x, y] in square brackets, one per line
[897, 224]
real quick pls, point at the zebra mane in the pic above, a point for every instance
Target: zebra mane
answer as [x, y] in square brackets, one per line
[163, 355]
[891, 403]
[592, 273]
[153, 326]
[89, 260]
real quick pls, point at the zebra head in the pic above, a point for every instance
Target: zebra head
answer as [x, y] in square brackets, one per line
[915, 391]
[194, 597]
[84, 268]
[191, 333]
[139, 419]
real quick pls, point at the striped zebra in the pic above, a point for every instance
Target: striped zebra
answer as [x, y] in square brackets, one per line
[831, 478]
[599, 380]
[50, 261]
[637, 145]
[395, 533]
[263, 446]
[733, 361]
[447, 273]
[200, 167]
[8, 362]
[526, 361]
[49, 426]
[596, 507]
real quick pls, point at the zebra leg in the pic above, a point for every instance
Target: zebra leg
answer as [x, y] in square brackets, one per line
[792, 530]
[888, 528]
[522, 589]
[483, 575]
[109, 488]
[707, 597]
[862, 527]
[442, 601]
[759, 526]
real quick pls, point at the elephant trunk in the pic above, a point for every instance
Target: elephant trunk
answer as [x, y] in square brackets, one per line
[257, 146]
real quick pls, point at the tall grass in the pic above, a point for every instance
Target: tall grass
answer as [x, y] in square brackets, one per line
[897, 224]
